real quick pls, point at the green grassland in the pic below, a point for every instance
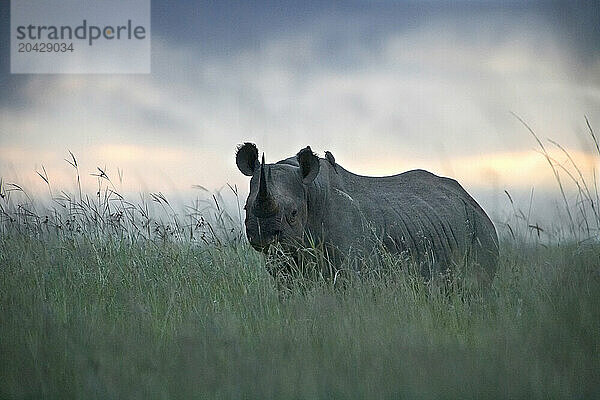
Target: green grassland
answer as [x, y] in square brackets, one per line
[103, 298]
[105, 318]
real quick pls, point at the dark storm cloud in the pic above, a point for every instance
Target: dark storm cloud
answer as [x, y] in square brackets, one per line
[387, 85]
[222, 28]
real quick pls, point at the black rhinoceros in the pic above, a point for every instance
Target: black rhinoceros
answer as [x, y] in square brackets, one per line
[431, 219]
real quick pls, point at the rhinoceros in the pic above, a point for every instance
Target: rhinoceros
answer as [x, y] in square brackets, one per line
[428, 218]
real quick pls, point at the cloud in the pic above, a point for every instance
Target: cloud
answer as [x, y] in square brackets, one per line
[436, 96]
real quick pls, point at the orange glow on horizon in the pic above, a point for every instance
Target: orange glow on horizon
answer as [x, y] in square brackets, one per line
[147, 168]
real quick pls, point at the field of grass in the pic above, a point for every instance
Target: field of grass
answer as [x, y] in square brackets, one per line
[100, 300]
[106, 318]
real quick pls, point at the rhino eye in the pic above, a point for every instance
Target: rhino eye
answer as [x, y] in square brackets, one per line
[291, 217]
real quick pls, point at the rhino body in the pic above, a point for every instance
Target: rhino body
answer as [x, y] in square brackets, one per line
[428, 218]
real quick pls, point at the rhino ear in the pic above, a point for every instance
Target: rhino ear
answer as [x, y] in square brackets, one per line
[309, 165]
[246, 158]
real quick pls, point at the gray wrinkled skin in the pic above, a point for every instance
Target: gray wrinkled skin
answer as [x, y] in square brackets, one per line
[431, 219]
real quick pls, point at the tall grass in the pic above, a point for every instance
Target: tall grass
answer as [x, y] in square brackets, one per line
[102, 297]
[578, 219]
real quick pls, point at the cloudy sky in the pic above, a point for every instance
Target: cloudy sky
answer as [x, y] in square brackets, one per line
[386, 86]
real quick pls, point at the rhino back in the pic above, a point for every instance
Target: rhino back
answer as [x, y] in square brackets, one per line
[427, 216]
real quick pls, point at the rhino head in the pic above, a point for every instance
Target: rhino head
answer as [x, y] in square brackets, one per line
[276, 208]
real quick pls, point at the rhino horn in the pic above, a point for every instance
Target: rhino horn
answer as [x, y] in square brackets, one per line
[265, 204]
